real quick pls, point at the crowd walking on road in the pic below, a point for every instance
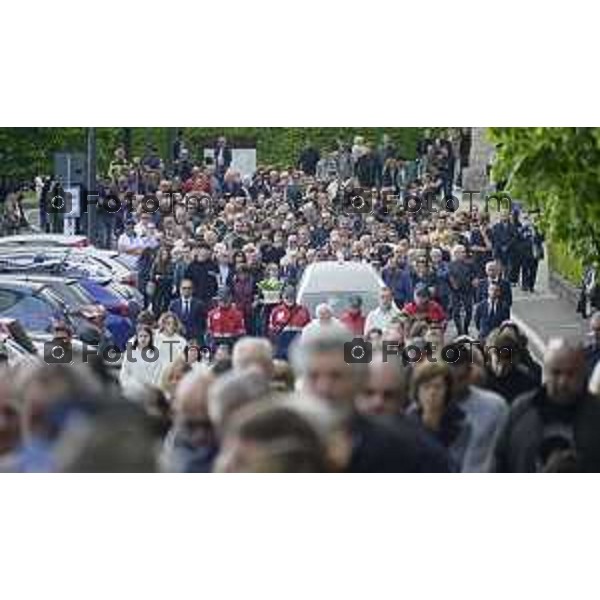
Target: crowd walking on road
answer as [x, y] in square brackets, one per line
[248, 378]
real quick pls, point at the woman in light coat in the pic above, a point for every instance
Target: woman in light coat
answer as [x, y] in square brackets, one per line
[169, 341]
[141, 363]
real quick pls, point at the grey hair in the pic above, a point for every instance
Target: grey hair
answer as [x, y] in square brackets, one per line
[232, 391]
[320, 341]
[260, 348]
[321, 307]
[458, 247]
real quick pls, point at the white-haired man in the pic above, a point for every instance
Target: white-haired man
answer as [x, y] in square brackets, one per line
[254, 353]
[324, 319]
[385, 314]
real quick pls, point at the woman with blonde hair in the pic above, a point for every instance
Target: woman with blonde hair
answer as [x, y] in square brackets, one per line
[169, 341]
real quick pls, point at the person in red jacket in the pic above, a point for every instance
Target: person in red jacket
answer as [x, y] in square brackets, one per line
[286, 321]
[225, 323]
[353, 317]
[424, 308]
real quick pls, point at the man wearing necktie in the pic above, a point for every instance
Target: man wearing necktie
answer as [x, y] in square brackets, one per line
[491, 312]
[190, 312]
[493, 275]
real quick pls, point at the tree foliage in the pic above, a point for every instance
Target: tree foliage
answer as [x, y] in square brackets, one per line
[555, 170]
[28, 151]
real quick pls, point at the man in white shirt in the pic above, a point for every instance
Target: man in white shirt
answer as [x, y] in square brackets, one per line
[129, 242]
[383, 316]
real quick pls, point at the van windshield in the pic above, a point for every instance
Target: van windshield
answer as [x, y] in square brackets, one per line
[339, 301]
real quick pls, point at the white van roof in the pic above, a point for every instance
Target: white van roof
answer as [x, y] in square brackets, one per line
[334, 276]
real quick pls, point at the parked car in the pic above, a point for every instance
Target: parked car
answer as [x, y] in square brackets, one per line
[78, 304]
[33, 304]
[45, 239]
[53, 262]
[88, 296]
[17, 343]
[336, 282]
[122, 266]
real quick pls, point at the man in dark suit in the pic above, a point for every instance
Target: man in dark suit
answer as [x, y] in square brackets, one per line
[503, 238]
[203, 273]
[492, 272]
[190, 311]
[223, 157]
[491, 313]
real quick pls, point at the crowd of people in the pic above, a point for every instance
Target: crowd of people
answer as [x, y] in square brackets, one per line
[248, 380]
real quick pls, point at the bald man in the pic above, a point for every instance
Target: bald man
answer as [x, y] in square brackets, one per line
[190, 445]
[554, 427]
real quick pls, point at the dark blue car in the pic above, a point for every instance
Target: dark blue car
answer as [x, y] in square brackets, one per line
[76, 298]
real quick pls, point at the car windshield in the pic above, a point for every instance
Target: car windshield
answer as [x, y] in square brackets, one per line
[33, 313]
[71, 294]
[100, 293]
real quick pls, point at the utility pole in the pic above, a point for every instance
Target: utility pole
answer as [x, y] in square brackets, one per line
[171, 137]
[92, 191]
[127, 142]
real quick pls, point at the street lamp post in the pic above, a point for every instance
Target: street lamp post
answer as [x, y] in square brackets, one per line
[92, 192]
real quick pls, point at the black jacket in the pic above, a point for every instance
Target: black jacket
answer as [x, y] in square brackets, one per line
[194, 323]
[308, 160]
[505, 290]
[366, 170]
[528, 429]
[204, 278]
[516, 383]
[486, 321]
[385, 445]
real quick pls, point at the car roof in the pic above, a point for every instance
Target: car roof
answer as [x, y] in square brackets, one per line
[41, 277]
[14, 282]
[334, 276]
[30, 238]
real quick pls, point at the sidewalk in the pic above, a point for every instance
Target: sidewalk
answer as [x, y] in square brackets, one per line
[544, 315]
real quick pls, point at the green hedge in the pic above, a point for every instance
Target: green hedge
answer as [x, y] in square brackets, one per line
[563, 260]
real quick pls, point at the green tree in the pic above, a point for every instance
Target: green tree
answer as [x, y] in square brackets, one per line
[557, 171]
[28, 151]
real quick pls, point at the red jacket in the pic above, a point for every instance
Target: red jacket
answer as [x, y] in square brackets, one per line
[431, 312]
[200, 183]
[226, 322]
[355, 322]
[286, 318]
